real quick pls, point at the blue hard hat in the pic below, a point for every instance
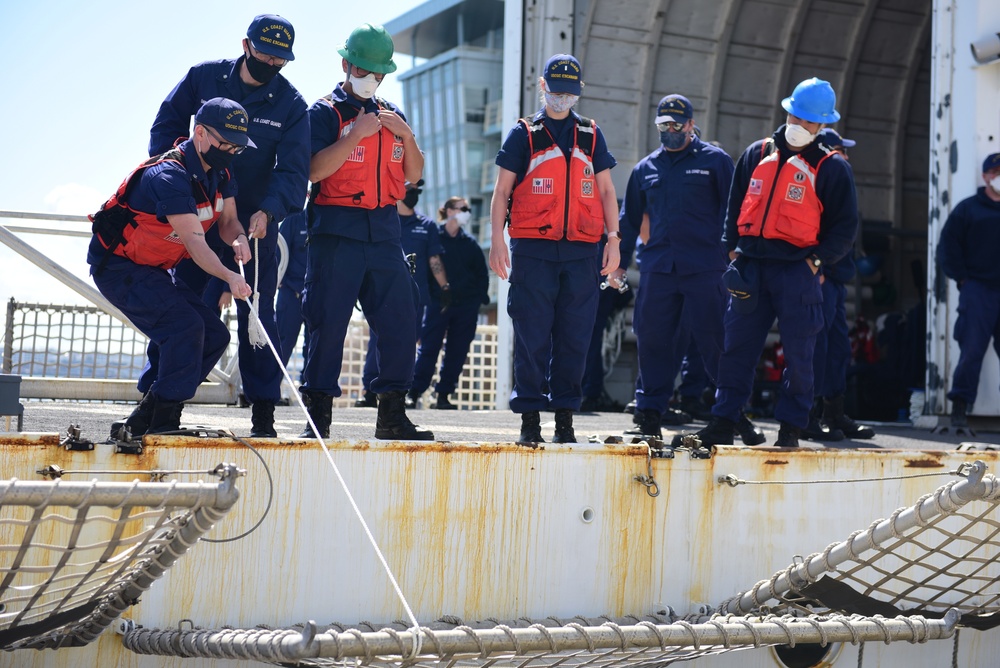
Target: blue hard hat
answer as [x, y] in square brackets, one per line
[813, 100]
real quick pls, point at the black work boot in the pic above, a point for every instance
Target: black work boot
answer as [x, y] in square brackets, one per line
[817, 430]
[648, 424]
[443, 404]
[531, 429]
[719, 431]
[834, 418]
[674, 418]
[564, 426]
[262, 420]
[411, 399]
[696, 408]
[959, 414]
[392, 423]
[788, 436]
[166, 416]
[320, 408]
[367, 400]
[137, 421]
[749, 433]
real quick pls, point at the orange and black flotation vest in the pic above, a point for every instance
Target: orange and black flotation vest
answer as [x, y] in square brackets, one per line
[558, 197]
[372, 176]
[138, 235]
[783, 204]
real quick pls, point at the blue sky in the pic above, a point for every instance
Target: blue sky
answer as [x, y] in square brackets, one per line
[84, 82]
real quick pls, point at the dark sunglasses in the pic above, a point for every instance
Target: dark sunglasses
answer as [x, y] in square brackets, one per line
[671, 126]
[224, 145]
[460, 208]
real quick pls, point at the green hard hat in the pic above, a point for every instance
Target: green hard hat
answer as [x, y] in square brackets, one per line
[370, 48]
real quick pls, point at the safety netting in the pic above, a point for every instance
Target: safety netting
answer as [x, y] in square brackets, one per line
[75, 555]
[914, 577]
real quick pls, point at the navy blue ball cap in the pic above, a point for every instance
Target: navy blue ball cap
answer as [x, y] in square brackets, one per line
[832, 138]
[563, 74]
[674, 109]
[228, 119]
[273, 35]
[742, 279]
[992, 161]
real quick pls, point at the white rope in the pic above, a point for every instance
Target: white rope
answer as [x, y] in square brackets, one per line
[415, 628]
[255, 328]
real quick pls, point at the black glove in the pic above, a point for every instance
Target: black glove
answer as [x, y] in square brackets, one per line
[445, 297]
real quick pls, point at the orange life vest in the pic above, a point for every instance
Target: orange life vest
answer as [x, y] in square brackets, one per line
[372, 176]
[783, 205]
[558, 198]
[138, 235]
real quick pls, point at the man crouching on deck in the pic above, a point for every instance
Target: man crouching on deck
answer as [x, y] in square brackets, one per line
[158, 217]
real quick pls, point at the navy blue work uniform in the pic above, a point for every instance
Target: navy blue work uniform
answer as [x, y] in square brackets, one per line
[833, 343]
[272, 178]
[967, 255]
[419, 236]
[552, 299]
[355, 255]
[288, 310]
[189, 337]
[469, 284]
[684, 193]
[788, 289]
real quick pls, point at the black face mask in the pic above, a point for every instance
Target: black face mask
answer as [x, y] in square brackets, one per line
[261, 71]
[411, 197]
[217, 159]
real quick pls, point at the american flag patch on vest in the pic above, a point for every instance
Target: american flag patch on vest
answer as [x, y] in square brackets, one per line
[541, 186]
[357, 155]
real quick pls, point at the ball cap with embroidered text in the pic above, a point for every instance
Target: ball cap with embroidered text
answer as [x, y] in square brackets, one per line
[563, 74]
[991, 162]
[227, 118]
[832, 138]
[273, 35]
[674, 109]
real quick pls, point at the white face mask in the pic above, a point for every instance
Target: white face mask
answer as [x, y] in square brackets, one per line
[798, 136]
[995, 183]
[463, 217]
[560, 103]
[364, 87]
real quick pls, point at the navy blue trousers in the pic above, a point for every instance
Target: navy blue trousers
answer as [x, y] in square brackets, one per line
[833, 343]
[340, 272]
[288, 315]
[593, 375]
[978, 322]
[371, 356]
[259, 371]
[458, 323]
[189, 337]
[668, 308]
[790, 292]
[552, 305]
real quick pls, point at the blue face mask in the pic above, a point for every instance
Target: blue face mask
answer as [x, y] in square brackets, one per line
[673, 141]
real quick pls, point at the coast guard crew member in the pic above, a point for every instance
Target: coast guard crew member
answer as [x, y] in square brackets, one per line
[833, 343]
[422, 248]
[967, 255]
[680, 191]
[454, 307]
[792, 209]
[288, 307]
[158, 217]
[363, 154]
[272, 179]
[555, 173]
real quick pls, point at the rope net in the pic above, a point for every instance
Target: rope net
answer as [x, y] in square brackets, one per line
[74, 555]
[936, 555]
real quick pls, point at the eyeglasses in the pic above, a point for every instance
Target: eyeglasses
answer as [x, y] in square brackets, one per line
[226, 146]
[269, 60]
[460, 208]
[363, 73]
[671, 126]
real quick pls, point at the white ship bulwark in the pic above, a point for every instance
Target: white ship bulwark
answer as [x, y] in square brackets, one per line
[498, 532]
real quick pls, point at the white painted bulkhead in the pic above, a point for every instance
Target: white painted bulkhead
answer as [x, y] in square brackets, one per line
[497, 531]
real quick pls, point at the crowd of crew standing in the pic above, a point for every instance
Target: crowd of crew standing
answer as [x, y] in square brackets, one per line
[723, 250]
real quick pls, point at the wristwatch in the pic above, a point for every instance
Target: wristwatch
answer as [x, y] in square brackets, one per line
[615, 235]
[816, 262]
